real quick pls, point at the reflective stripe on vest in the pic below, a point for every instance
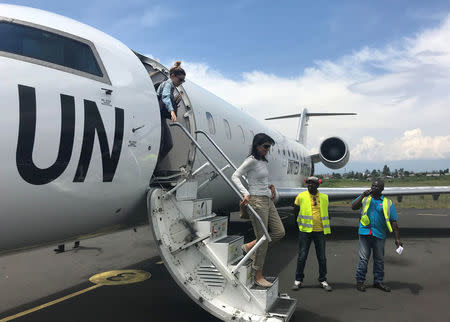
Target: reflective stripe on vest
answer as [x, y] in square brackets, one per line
[305, 218]
[365, 220]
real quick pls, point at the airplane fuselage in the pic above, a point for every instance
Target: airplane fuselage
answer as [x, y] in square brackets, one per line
[79, 147]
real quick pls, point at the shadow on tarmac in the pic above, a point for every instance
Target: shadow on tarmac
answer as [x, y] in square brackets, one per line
[303, 315]
[415, 288]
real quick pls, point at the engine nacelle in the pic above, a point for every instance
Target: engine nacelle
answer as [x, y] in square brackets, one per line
[334, 153]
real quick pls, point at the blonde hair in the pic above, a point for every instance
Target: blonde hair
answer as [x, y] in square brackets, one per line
[176, 69]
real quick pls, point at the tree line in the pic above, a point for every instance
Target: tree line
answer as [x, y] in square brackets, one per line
[386, 172]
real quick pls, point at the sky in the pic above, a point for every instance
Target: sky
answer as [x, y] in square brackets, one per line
[388, 61]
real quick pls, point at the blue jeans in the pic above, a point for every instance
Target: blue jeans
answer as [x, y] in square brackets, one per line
[303, 249]
[365, 245]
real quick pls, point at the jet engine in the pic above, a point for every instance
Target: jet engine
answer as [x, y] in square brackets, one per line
[334, 153]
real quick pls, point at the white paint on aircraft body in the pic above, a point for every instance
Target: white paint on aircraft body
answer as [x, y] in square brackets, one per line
[32, 214]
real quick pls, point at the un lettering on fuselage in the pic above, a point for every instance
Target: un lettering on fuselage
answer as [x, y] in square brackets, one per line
[293, 167]
[93, 124]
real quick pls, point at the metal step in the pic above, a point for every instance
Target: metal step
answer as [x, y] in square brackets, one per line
[244, 274]
[228, 249]
[203, 208]
[165, 177]
[187, 191]
[216, 227]
[283, 307]
[266, 295]
[200, 257]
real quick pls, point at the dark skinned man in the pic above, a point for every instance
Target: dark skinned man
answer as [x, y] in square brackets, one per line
[311, 209]
[378, 214]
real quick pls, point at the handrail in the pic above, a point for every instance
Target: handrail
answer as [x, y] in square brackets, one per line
[231, 185]
[217, 147]
[220, 151]
[185, 180]
[211, 178]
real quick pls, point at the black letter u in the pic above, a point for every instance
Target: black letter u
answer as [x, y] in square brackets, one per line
[27, 132]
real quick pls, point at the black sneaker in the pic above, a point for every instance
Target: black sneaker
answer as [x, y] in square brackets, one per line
[382, 287]
[360, 286]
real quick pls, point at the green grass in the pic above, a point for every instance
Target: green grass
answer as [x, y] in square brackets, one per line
[395, 182]
[425, 201]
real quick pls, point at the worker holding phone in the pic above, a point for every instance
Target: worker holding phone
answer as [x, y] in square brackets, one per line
[378, 214]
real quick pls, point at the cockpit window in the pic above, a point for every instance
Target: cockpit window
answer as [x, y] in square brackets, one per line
[48, 47]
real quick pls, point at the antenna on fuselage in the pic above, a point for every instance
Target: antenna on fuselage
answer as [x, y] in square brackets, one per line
[303, 122]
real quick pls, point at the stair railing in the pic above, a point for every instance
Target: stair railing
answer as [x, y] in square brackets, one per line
[266, 235]
[261, 240]
[218, 148]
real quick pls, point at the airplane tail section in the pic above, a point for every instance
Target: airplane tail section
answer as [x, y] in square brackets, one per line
[303, 122]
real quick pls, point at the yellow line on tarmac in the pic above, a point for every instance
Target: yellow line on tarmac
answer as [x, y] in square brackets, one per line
[37, 308]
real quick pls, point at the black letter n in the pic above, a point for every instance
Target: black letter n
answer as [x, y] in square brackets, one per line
[93, 123]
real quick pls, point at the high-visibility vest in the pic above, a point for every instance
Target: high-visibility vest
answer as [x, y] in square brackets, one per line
[305, 218]
[365, 221]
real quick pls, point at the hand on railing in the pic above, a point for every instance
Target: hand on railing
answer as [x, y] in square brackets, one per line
[245, 201]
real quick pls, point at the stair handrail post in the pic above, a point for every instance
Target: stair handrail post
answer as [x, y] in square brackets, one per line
[231, 185]
[249, 254]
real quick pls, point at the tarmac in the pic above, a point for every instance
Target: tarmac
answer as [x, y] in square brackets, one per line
[419, 278]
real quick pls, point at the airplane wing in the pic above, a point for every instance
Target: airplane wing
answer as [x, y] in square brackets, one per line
[287, 195]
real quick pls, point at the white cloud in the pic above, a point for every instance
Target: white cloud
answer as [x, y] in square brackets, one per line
[411, 145]
[414, 145]
[369, 148]
[394, 89]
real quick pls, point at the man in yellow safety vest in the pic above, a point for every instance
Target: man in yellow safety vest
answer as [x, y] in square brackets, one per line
[378, 214]
[311, 209]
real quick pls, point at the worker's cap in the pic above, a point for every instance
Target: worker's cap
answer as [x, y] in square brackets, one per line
[313, 179]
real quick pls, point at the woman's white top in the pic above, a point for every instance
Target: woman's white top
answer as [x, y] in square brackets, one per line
[257, 175]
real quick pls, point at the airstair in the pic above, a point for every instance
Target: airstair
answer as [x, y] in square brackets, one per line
[207, 263]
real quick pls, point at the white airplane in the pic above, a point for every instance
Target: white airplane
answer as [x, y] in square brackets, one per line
[81, 135]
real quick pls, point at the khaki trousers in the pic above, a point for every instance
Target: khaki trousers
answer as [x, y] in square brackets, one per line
[265, 208]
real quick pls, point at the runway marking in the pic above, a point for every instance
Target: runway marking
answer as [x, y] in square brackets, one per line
[436, 215]
[117, 277]
[43, 306]
[120, 277]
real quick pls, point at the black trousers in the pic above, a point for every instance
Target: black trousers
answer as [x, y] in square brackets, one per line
[305, 240]
[166, 140]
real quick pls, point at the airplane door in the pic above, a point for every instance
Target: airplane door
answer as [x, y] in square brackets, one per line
[182, 155]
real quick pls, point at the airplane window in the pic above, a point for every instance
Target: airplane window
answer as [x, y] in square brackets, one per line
[289, 153]
[242, 132]
[252, 135]
[278, 151]
[47, 46]
[284, 152]
[227, 129]
[211, 125]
